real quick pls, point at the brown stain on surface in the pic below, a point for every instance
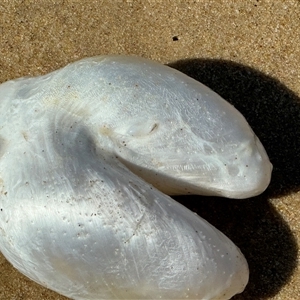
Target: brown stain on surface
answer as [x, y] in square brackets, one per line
[25, 135]
[2, 188]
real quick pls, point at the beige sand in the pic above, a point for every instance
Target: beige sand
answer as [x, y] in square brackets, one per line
[247, 51]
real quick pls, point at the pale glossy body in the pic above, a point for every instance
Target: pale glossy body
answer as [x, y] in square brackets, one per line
[74, 216]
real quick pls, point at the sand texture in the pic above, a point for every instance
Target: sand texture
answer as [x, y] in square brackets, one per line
[247, 51]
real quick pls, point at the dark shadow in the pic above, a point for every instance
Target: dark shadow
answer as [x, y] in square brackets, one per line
[273, 111]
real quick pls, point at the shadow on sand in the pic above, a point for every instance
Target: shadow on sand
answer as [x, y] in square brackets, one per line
[273, 112]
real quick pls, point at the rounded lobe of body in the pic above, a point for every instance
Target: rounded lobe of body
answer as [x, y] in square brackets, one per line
[87, 153]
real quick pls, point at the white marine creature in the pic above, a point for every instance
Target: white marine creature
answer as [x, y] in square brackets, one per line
[87, 154]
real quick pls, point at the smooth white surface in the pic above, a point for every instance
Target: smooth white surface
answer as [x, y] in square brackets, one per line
[76, 219]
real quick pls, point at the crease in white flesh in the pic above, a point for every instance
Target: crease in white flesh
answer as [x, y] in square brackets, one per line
[87, 155]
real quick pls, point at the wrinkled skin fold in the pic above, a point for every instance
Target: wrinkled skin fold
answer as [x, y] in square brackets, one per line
[87, 156]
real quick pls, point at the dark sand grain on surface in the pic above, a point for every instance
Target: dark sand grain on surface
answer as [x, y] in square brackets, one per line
[247, 51]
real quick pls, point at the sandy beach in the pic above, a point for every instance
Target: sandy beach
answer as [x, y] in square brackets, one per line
[247, 51]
